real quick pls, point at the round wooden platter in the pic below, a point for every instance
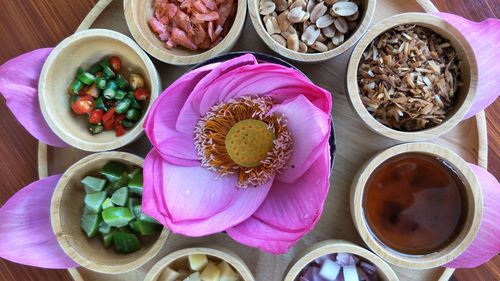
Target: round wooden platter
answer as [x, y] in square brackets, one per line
[355, 144]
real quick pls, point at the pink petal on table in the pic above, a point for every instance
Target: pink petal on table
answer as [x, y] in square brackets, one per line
[19, 86]
[191, 201]
[310, 128]
[189, 115]
[275, 225]
[162, 117]
[483, 37]
[27, 236]
[486, 244]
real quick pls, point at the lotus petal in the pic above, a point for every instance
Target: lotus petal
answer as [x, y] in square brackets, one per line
[19, 86]
[289, 212]
[162, 118]
[486, 244]
[310, 128]
[192, 201]
[482, 36]
[27, 236]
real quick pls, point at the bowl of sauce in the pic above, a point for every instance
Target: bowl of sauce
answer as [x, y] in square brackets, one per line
[416, 205]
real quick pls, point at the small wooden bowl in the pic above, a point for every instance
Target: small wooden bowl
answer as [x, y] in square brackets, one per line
[456, 247]
[137, 15]
[216, 251]
[66, 210]
[326, 247]
[84, 49]
[465, 95]
[365, 18]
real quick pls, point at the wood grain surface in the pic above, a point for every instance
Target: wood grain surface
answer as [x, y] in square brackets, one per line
[30, 24]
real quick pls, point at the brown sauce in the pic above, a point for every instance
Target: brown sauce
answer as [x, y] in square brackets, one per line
[415, 203]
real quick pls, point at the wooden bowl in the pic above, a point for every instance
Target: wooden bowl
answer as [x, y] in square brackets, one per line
[326, 247]
[457, 246]
[366, 16]
[465, 95]
[66, 210]
[137, 15]
[84, 49]
[215, 251]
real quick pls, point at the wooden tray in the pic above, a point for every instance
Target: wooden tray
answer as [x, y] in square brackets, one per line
[355, 144]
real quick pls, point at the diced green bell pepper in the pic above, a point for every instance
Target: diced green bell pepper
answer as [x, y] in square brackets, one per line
[135, 104]
[117, 216]
[94, 200]
[113, 170]
[88, 211]
[137, 211]
[79, 71]
[90, 224]
[146, 218]
[136, 184]
[104, 62]
[107, 240]
[146, 228]
[120, 196]
[107, 204]
[104, 228]
[125, 242]
[93, 184]
[132, 202]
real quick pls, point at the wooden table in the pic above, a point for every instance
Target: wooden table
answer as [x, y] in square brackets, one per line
[30, 24]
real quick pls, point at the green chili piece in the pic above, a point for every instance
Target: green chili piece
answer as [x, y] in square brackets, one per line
[117, 216]
[108, 72]
[125, 242]
[104, 62]
[120, 94]
[133, 114]
[100, 83]
[113, 171]
[95, 200]
[120, 196]
[123, 106]
[95, 129]
[128, 124]
[122, 82]
[99, 104]
[112, 84]
[95, 68]
[77, 86]
[93, 184]
[73, 99]
[109, 93]
[87, 78]
[135, 104]
[90, 224]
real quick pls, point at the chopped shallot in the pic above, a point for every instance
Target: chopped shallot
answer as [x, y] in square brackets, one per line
[339, 267]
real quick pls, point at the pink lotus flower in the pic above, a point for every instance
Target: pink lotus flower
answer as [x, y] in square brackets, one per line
[262, 181]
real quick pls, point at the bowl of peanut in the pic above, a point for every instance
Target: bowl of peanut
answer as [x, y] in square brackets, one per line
[311, 30]
[412, 77]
